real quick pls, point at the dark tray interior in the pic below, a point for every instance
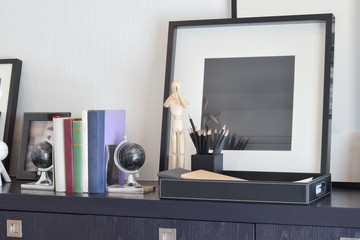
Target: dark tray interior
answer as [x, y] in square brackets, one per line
[271, 176]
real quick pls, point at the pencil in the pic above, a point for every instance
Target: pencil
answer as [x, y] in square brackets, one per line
[203, 135]
[199, 142]
[222, 129]
[208, 137]
[219, 139]
[192, 123]
[193, 138]
[215, 139]
[221, 146]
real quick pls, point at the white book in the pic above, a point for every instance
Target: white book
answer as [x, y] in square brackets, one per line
[84, 133]
[59, 154]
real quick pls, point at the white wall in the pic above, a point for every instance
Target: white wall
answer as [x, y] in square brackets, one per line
[345, 147]
[91, 54]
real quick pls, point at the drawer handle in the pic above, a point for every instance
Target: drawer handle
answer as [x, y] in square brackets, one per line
[320, 189]
[167, 234]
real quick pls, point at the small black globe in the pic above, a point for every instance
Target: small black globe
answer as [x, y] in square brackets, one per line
[41, 155]
[131, 156]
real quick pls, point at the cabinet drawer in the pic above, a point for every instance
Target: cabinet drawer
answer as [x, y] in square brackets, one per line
[43, 226]
[148, 228]
[288, 232]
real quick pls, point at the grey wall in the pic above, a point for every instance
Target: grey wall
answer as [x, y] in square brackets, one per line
[91, 54]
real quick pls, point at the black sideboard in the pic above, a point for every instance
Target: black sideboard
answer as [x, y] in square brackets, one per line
[51, 215]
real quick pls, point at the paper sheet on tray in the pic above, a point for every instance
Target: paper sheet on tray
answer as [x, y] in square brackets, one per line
[206, 175]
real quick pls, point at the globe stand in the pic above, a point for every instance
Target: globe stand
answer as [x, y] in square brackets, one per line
[131, 185]
[44, 176]
[131, 181]
[44, 182]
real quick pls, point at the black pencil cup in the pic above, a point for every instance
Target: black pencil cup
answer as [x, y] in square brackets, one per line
[212, 163]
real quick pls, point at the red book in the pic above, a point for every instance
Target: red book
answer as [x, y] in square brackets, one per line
[68, 147]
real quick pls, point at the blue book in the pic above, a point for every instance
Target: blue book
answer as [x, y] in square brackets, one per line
[96, 151]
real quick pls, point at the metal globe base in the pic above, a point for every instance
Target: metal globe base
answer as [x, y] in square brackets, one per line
[44, 176]
[131, 185]
[131, 182]
[44, 182]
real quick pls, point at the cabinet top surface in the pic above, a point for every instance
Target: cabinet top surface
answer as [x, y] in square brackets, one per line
[340, 209]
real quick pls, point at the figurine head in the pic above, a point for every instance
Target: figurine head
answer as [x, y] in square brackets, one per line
[175, 85]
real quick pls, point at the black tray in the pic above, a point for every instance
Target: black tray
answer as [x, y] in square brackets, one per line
[265, 187]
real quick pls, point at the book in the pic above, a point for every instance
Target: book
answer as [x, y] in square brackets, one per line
[96, 151]
[84, 152]
[77, 155]
[59, 154]
[68, 149]
[105, 127]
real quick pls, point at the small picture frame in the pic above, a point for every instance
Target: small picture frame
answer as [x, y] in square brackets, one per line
[37, 127]
[10, 71]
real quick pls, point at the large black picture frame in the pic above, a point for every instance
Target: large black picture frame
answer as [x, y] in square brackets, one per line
[10, 71]
[327, 20]
[25, 148]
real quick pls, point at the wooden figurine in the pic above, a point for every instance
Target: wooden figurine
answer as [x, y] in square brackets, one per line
[177, 103]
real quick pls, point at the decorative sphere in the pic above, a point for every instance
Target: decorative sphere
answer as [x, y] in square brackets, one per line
[131, 156]
[41, 155]
[3, 150]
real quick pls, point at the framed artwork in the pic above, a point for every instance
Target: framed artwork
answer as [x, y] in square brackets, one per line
[37, 127]
[267, 78]
[10, 71]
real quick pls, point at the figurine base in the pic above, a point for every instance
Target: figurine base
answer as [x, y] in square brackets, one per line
[131, 190]
[34, 186]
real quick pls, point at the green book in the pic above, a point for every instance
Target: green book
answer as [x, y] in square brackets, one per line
[77, 156]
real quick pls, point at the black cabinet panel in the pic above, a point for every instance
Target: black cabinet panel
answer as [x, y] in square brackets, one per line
[286, 232]
[124, 228]
[61, 226]
[213, 230]
[43, 226]
[283, 232]
[146, 228]
[28, 223]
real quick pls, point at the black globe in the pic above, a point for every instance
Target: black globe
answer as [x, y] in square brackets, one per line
[41, 155]
[131, 156]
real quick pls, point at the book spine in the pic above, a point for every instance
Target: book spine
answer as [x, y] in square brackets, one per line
[77, 158]
[59, 154]
[68, 144]
[84, 151]
[96, 151]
